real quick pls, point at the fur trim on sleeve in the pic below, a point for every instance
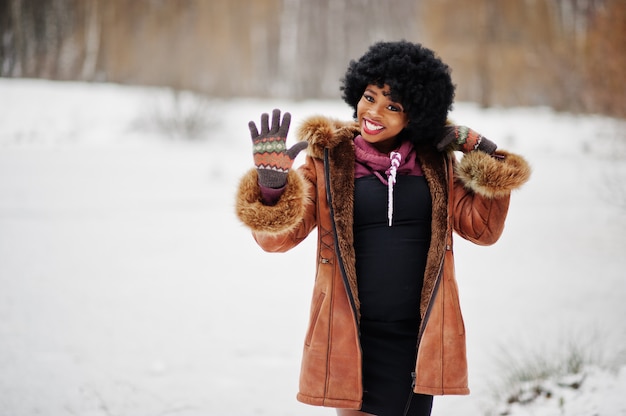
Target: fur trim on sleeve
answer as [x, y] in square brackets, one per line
[277, 219]
[491, 177]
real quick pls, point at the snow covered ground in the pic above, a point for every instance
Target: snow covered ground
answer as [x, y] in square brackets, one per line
[128, 288]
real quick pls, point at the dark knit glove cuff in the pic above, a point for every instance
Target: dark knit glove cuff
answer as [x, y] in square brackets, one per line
[271, 178]
[486, 145]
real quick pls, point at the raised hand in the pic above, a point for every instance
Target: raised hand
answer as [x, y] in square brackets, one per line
[271, 157]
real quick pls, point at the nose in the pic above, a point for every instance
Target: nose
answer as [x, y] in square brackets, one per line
[374, 110]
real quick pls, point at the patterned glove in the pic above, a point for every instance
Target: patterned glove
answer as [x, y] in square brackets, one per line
[271, 157]
[466, 140]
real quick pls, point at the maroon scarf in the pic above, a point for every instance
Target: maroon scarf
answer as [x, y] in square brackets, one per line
[400, 161]
[369, 161]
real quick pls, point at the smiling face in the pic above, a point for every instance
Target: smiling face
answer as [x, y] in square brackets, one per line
[380, 118]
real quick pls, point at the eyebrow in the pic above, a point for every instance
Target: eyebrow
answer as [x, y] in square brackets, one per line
[385, 93]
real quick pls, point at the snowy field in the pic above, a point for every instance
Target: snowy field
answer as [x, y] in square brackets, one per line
[128, 287]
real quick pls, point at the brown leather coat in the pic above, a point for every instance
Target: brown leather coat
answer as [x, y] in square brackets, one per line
[470, 197]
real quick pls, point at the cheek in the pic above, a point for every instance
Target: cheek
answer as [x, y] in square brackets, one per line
[405, 120]
[401, 122]
[360, 108]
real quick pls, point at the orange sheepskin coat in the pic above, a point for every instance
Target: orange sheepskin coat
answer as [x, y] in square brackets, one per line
[470, 197]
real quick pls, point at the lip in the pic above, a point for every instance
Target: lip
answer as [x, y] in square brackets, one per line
[371, 132]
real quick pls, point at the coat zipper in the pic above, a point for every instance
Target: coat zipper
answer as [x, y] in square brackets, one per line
[440, 272]
[336, 242]
[430, 302]
[432, 296]
[408, 402]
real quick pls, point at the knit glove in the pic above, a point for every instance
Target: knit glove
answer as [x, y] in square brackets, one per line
[465, 140]
[271, 157]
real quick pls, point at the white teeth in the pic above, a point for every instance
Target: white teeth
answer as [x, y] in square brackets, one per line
[371, 126]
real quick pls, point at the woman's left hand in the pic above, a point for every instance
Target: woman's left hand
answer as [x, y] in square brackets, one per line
[464, 139]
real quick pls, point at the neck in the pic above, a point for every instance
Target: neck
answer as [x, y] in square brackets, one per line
[387, 146]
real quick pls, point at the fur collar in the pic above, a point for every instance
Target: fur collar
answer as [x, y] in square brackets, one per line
[323, 132]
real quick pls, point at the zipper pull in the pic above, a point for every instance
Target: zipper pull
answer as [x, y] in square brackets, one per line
[408, 402]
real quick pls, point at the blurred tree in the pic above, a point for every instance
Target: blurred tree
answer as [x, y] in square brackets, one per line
[605, 63]
[318, 39]
[539, 52]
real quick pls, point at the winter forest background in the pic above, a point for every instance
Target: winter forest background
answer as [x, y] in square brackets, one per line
[129, 288]
[565, 54]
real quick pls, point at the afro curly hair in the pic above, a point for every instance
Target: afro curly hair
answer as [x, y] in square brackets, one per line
[417, 78]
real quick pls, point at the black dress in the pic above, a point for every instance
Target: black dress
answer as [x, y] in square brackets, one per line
[390, 263]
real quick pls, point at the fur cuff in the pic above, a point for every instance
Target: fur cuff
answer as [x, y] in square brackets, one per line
[276, 219]
[491, 177]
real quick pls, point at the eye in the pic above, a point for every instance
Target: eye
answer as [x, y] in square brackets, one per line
[368, 97]
[396, 108]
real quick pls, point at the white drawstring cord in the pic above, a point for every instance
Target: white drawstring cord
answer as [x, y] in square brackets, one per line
[395, 158]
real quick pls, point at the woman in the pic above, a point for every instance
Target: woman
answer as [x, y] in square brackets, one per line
[385, 194]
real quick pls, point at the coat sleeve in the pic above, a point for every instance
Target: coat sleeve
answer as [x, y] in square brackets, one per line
[282, 226]
[482, 191]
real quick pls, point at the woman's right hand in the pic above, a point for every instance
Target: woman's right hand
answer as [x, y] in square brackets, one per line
[271, 157]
